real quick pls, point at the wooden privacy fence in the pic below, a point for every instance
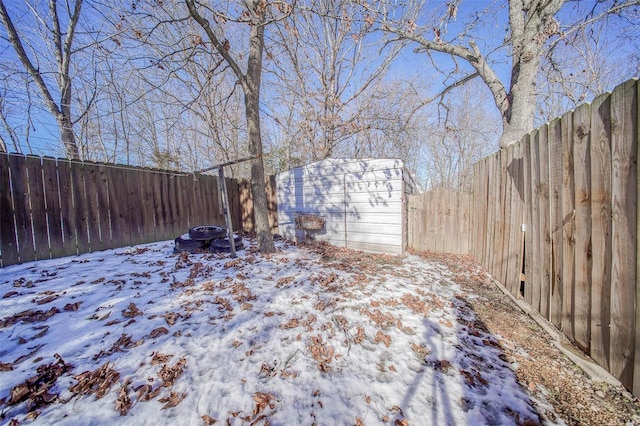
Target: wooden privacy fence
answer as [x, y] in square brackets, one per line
[572, 187]
[439, 221]
[55, 207]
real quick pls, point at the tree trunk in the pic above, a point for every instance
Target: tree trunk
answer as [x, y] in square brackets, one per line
[252, 108]
[67, 137]
[517, 120]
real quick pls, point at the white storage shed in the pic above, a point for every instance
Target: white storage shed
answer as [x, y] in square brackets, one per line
[363, 202]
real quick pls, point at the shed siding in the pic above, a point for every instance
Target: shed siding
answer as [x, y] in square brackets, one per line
[362, 202]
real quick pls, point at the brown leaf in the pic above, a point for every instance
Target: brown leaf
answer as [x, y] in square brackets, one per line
[292, 323]
[72, 306]
[396, 409]
[403, 422]
[10, 294]
[384, 338]
[168, 375]
[123, 402]
[47, 299]
[172, 400]
[263, 400]
[157, 332]
[6, 366]
[171, 317]
[98, 381]
[359, 422]
[208, 420]
[131, 311]
[159, 358]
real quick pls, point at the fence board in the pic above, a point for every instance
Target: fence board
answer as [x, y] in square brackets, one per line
[160, 188]
[544, 217]
[568, 225]
[93, 208]
[80, 205]
[182, 212]
[175, 205]
[147, 206]
[491, 215]
[22, 212]
[623, 278]
[534, 282]
[504, 215]
[66, 208]
[521, 214]
[556, 225]
[8, 240]
[52, 201]
[528, 234]
[582, 167]
[37, 207]
[600, 229]
[513, 270]
[102, 202]
[118, 209]
[484, 237]
[134, 216]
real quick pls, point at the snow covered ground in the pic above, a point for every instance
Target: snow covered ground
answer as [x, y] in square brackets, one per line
[144, 336]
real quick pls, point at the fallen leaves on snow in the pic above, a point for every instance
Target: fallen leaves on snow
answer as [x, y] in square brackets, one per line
[96, 382]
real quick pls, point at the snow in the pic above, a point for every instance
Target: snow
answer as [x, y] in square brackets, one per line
[293, 337]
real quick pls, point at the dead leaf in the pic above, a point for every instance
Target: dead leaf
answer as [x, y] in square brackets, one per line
[71, 306]
[131, 311]
[262, 400]
[384, 338]
[47, 299]
[157, 332]
[396, 409]
[172, 400]
[123, 402]
[159, 358]
[246, 307]
[6, 366]
[96, 382]
[171, 317]
[208, 420]
[10, 294]
[168, 375]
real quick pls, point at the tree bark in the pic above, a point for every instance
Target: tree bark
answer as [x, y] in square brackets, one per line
[252, 107]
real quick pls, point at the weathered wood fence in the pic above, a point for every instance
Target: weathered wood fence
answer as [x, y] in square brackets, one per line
[439, 221]
[554, 218]
[55, 207]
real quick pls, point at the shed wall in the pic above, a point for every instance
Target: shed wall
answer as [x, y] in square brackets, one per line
[362, 202]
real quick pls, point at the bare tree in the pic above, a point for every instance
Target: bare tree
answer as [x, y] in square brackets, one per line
[256, 14]
[34, 60]
[460, 134]
[529, 27]
[324, 64]
[581, 66]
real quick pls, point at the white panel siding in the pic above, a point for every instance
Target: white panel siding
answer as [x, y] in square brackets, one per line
[362, 202]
